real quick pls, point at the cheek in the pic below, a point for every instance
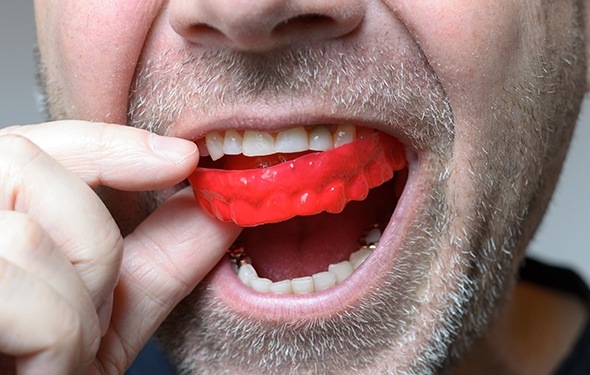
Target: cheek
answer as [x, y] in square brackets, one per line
[473, 45]
[479, 49]
[91, 49]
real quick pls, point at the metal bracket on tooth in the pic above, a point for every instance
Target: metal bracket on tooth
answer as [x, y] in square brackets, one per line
[237, 255]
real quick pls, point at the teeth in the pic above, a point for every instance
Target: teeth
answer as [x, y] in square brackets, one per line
[344, 134]
[335, 274]
[260, 285]
[292, 140]
[320, 139]
[257, 143]
[323, 280]
[373, 236]
[232, 143]
[341, 270]
[282, 287]
[358, 257]
[247, 273]
[302, 285]
[214, 142]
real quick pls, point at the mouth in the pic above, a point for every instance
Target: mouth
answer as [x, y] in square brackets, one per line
[316, 203]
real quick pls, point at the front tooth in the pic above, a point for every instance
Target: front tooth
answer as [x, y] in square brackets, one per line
[257, 143]
[214, 143]
[282, 287]
[247, 273]
[320, 139]
[344, 134]
[323, 280]
[341, 270]
[302, 285]
[232, 143]
[292, 140]
[358, 257]
[260, 284]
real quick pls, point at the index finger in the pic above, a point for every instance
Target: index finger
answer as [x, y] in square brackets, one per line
[116, 156]
[164, 259]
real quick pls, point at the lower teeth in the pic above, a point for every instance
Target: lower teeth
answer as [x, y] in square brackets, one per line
[335, 274]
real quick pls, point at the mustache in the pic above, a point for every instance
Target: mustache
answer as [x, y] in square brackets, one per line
[391, 86]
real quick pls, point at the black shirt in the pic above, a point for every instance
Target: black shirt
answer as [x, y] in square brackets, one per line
[564, 280]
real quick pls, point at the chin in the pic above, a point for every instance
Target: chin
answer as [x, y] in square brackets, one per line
[382, 285]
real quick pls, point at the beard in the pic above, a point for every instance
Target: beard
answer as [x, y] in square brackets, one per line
[453, 271]
[459, 256]
[202, 335]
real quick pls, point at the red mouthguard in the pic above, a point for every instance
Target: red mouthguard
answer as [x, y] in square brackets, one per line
[307, 185]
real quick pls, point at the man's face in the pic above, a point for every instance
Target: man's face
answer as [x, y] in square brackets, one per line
[483, 95]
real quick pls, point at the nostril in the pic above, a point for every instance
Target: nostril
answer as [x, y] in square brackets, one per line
[204, 30]
[303, 23]
[264, 25]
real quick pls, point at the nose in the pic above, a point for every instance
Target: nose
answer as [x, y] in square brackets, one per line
[258, 25]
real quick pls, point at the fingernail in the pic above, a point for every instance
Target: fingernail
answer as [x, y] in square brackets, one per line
[174, 149]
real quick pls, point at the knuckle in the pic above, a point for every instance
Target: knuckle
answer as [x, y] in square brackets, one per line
[20, 232]
[107, 138]
[17, 153]
[101, 269]
[112, 243]
[17, 144]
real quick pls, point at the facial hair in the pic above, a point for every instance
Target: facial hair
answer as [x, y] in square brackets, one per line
[202, 335]
[453, 271]
[449, 279]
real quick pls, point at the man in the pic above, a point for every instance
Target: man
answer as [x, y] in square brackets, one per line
[457, 114]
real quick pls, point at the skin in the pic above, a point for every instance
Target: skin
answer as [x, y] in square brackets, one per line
[482, 67]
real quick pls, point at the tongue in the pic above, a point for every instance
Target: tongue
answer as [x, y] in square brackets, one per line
[303, 246]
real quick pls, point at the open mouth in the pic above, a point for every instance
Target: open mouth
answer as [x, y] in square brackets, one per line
[314, 200]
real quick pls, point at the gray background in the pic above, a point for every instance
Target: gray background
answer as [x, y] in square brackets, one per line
[561, 239]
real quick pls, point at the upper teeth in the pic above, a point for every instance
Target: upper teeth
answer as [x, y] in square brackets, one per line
[257, 143]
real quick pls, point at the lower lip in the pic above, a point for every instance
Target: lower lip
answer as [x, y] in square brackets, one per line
[345, 296]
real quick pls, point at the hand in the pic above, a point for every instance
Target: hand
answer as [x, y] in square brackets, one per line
[75, 296]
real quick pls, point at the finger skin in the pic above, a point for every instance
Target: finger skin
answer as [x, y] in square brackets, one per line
[100, 154]
[25, 244]
[53, 187]
[47, 340]
[165, 258]
[33, 183]
[113, 155]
